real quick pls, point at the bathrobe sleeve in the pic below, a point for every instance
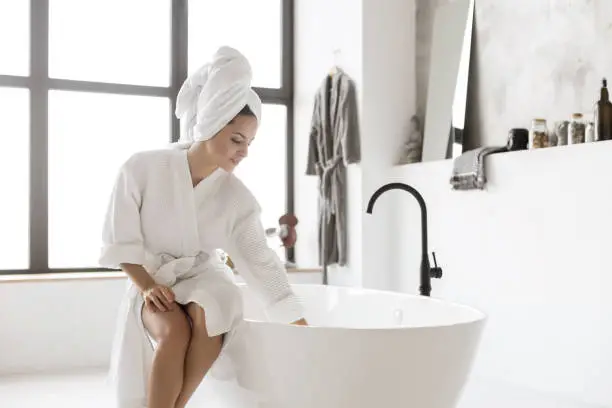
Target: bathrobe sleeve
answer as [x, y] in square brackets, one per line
[122, 233]
[312, 158]
[262, 269]
[350, 135]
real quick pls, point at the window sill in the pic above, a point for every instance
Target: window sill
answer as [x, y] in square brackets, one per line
[61, 277]
[304, 270]
[91, 276]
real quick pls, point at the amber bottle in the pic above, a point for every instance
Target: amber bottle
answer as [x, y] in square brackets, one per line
[603, 114]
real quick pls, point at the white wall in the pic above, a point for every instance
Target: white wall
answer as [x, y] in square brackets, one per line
[533, 252]
[66, 324]
[389, 101]
[377, 50]
[327, 33]
[557, 54]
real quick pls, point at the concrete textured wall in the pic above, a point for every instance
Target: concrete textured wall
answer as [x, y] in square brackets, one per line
[534, 58]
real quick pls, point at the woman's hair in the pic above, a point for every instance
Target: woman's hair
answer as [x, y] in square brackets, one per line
[246, 111]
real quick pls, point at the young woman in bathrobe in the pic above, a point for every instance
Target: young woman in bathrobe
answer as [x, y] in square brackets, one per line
[169, 212]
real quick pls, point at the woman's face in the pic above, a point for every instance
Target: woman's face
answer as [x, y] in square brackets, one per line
[231, 144]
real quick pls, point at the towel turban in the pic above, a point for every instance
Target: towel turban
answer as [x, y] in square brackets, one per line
[214, 94]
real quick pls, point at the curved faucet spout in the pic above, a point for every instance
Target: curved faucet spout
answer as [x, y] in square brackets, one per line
[426, 271]
[415, 194]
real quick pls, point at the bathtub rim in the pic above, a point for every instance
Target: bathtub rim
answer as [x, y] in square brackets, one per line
[480, 316]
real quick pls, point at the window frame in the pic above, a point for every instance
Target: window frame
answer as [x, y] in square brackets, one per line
[39, 85]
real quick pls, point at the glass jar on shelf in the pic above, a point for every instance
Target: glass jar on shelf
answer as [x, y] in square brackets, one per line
[576, 130]
[539, 137]
[560, 129]
[590, 135]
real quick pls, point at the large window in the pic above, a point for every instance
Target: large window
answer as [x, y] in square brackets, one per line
[84, 84]
[261, 29]
[254, 27]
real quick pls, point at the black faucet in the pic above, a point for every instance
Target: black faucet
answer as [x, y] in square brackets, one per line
[427, 272]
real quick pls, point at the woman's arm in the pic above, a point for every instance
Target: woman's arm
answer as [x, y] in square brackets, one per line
[122, 238]
[263, 271]
[123, 242]
[139, 275]
[159, 297]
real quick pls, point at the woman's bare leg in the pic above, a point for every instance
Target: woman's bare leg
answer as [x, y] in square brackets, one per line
[171, 331]
[201, 354]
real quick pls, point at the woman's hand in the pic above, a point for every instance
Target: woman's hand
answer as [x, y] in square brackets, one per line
[159, 298]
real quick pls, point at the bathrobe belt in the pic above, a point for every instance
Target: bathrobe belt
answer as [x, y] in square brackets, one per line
[329, 185]
[167, 268]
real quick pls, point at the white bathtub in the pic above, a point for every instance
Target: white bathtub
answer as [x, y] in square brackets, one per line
[363, 349]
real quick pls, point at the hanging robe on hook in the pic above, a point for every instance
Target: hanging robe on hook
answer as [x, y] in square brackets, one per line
[335, 67]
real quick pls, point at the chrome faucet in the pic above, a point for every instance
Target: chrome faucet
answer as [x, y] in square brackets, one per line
[427, 272]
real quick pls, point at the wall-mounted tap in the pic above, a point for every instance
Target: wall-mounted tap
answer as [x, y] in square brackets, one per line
[427, 272]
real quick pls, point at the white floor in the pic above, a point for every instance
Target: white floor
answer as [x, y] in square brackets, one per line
[69, 391]
[88, 390]
[74, 390]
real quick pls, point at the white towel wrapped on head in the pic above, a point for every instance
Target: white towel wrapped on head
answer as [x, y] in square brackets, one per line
[214, 94]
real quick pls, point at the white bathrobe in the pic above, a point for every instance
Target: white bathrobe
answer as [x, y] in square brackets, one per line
[158, 219]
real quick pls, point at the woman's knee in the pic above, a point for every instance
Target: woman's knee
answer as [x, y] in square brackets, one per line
[198, 325]
[170, 327]
[198, 319]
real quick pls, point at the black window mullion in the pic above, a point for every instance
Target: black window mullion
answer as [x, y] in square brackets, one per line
[287, 47]
[106, 87]
[178, 60]
[274, 96]
[290, 203]
[12, 81]
[288, 90]
[39, 107]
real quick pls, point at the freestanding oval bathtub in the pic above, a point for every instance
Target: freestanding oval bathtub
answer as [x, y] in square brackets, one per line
[363, 349]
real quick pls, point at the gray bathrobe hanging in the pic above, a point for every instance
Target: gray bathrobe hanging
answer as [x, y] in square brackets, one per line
[334, 144]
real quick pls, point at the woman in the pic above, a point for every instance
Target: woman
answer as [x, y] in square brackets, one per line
[170, 210]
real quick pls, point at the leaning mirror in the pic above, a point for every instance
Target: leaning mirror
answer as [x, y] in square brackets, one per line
[444, 131]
